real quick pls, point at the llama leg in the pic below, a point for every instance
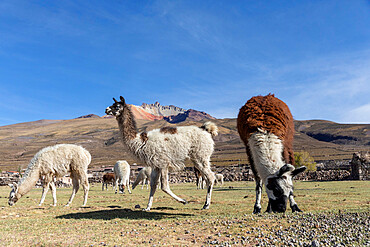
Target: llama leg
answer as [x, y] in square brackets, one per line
[293, 204]
[54, 192]
[115, 186]
[128, 185]
[209, 178]
[76, 186]
[154, 177]
[85, 186]
[257, 205]
[45, 188]
[166, 188]
[142, 185]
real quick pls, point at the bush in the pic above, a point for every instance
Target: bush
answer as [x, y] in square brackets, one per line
[303, 158]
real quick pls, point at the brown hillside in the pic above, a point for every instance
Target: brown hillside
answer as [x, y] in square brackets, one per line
[19, 142]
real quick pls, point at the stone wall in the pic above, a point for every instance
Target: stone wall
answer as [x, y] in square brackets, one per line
[231, 173]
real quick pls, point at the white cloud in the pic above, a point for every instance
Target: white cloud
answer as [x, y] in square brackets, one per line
[359, 114]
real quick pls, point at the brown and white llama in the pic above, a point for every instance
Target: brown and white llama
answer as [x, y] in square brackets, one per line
[108, 178]
[167, 148]
[199, 179]
[266, 127]
[54, 161]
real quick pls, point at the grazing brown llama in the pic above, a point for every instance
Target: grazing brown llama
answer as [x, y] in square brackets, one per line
[266, 127]
[167, 148]
[108, 178]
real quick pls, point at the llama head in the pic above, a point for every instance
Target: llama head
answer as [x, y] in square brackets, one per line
[14, 195]
[117, 108]
[279, 187]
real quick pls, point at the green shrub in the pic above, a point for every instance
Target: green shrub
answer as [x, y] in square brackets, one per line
[303, 158]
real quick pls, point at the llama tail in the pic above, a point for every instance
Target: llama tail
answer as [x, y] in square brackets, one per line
[210, 128]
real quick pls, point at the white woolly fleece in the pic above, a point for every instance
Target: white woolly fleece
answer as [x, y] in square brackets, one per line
[122, 171]
[170, 150]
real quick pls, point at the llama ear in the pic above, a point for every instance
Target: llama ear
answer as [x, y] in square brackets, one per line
[298, 170]
[122, 100]
[284, 169]
[115, 101]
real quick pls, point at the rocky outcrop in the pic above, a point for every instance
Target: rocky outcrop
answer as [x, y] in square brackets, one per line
[89, 116]
[360, 166]
[190, 114]
[170, 113]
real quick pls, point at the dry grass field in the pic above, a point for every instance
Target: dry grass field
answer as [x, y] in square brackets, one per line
[334, 212]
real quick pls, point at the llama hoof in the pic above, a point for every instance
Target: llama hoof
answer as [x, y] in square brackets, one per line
[206, 206]
[295, 208]
[146, 209]
[53, 205]
[257, 210]
[67, 205]
[184, 202]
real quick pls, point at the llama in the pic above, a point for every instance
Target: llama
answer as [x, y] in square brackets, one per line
[122, 171]
[143, 176]
[108, 178]
[266, 127]
[219, 179]
[199, 179]
[50, 162]
[167, 148]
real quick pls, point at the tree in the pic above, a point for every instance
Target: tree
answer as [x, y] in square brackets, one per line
[303, 158]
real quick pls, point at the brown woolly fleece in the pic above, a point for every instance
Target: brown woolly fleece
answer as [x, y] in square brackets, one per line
[270, 114]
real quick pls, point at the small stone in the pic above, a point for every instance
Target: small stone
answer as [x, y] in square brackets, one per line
[315, 243]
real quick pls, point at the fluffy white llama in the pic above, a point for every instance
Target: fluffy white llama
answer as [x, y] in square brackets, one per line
[50, 162]
[166, 149]
[122, 171]
[220, 179]
[143, 176]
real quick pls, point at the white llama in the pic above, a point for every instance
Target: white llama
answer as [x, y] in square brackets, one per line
[50, 162]
[143, 176]
[122, 172]
[167, 148]
[220, 179]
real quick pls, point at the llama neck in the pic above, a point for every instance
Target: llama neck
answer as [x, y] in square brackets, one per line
[29, 179]
[127, 125]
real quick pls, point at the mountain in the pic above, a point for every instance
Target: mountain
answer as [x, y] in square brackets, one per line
[171, 113]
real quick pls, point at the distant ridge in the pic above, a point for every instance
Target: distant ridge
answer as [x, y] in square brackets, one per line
[89, 116]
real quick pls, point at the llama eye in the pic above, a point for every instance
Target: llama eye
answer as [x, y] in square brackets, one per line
[284, 177]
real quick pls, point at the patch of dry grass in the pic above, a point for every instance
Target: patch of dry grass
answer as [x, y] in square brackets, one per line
[111, 219]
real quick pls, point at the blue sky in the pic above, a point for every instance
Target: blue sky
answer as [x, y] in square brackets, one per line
[64, 59]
